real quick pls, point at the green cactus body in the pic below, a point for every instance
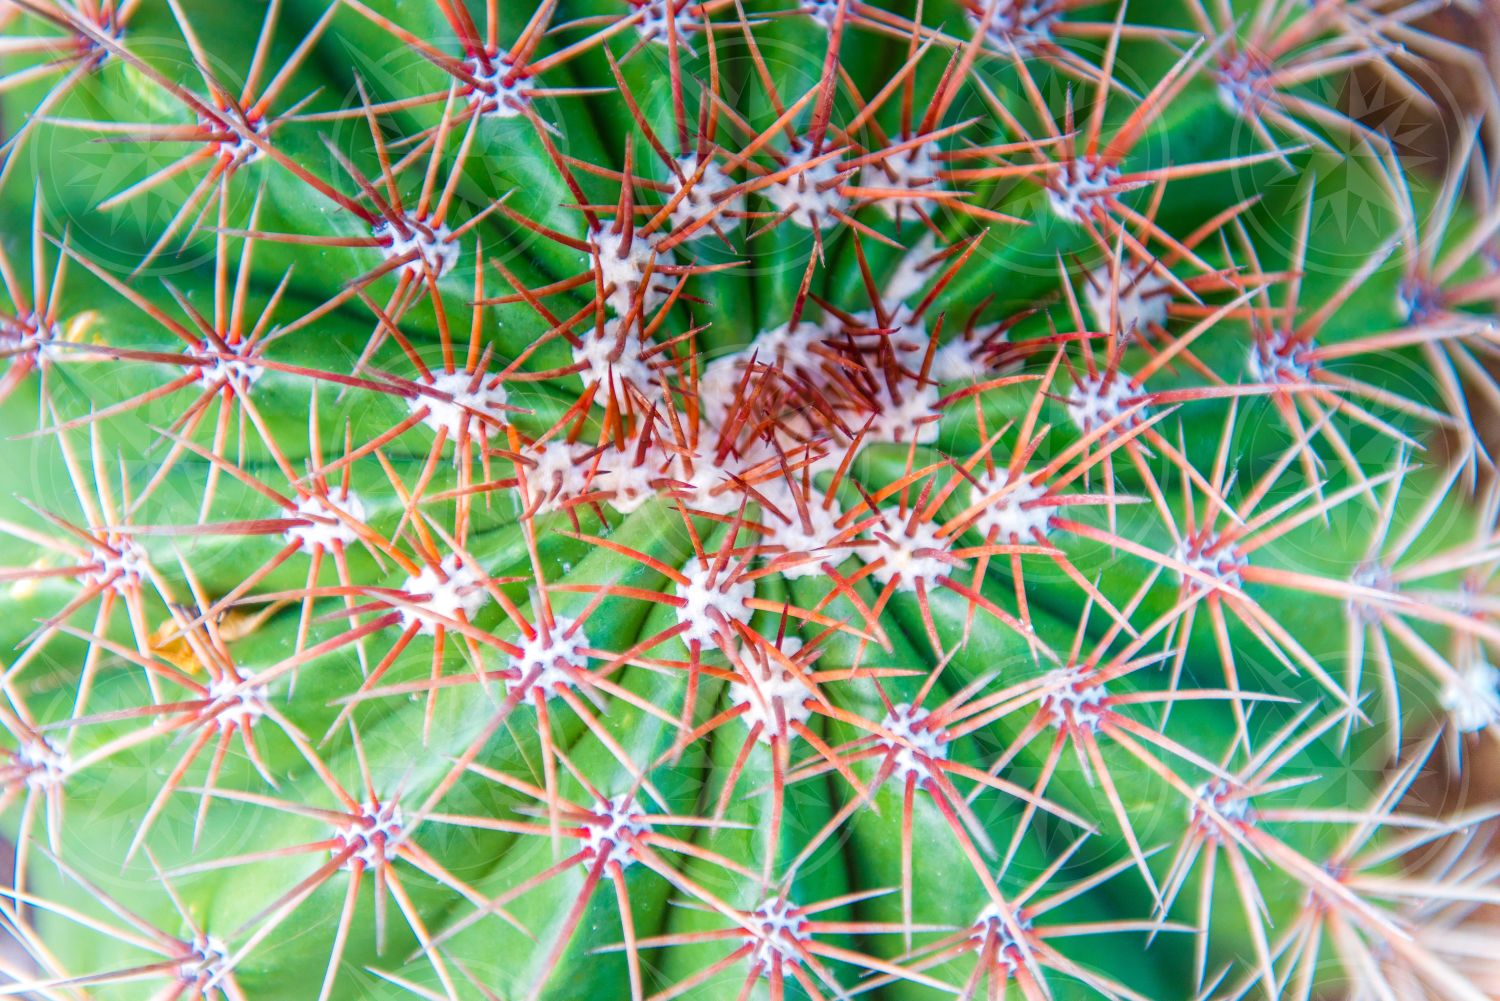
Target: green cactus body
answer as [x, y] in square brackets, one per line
[625, 499]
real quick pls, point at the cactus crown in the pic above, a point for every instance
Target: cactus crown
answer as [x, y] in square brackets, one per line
[795, 499]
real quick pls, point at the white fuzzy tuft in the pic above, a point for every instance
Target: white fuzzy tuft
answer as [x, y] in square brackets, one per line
[205, 968]
[455, 404]
[703, 198]
[611, 372]
[373, 836]
[1471, 698]
[915, 746]
[1209, 555]
[430, 248]
[44, 764]
[814, 539]
[903, 556]
[121, 565]
[629, 482]
[912, 169]
[1218, 809]
[824, 12]
[774, 697]
[1017, 514]
[1072, 701]
[811, 195]
[1279, 359]
[623, 271]
[234, 705]
[491, 96]
[991, 924]
[553, 659]
[721, 596]
[1018, 28]
[776, 934]
[1078, 188]
[449, 588]
[1143, 298]
[324, 528]
[235, 371]
[1098, 399]
[609, 829]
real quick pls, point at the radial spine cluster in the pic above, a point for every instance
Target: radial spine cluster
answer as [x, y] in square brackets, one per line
[776, 499]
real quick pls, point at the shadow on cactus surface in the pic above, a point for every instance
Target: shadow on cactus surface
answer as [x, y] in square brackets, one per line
[646, 499]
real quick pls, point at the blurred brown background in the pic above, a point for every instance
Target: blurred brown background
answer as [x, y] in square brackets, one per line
[1469, 86]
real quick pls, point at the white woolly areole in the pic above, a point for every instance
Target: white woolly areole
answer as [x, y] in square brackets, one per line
[560, 472]
[1071, 702]
[239, 149]
[908, 338]
[1098, 399]
[453, 406]
[625, 269]
[432, 248]
[1218, 808]
[121, 564]
[553, 658]
[653, 25]
[1208, 554]
[909, 419]
[700, 596]
[902, 552]
[205, 966]
[630, 482]
[702, 197]
[1144, 297]
[1277, 358]
[1471, 697]
[629, 368]
[991, 924]
[911, 169]
[324, 528]
[94, 52]
[233, 370]
[1244, 84]
[374, 836]
[717, 384]
[814, 539]
[698, 486]
[607, 832]
[775, 697]
[451, 587]
[906, 334]
[1376, 576]
[44, 763]
[28, 334]
[233, 705]
[810, 195]
[791, 348]
[1078, 187]
[956, 361]
[822, 11]
[915, 746]
[1019, 27]
[911, 275]
[1420, 299]
[1014, 515]
[491, 95]
[777, 934]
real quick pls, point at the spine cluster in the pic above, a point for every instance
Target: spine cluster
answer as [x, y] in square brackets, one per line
[646, 499]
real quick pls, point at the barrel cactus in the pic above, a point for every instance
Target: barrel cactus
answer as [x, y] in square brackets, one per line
[648, 499]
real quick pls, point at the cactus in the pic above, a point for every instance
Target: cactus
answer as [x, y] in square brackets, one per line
[648, 499]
